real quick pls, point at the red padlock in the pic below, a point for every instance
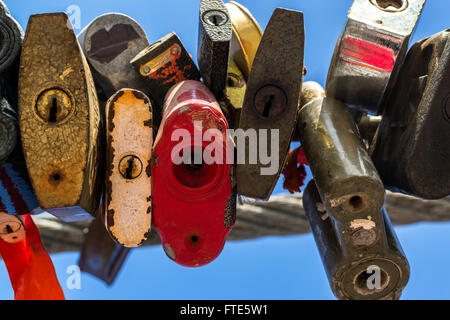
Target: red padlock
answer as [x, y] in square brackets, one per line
[194, 202]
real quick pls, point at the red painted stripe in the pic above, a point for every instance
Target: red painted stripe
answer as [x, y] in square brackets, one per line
[368, 54]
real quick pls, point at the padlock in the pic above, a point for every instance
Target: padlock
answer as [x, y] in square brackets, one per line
[371, 50]
[101, 256]
[128, 187]
[246, 37]
[109, 43]
[345, 175]
[214, 45]
[11, 35]
[164, 64]
[59, 119]
[412, 146]
[271, 102]
[194, 204]
[363, 258]
[12, 229]
[9, 129]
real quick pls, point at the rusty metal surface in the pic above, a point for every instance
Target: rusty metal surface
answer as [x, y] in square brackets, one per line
[109, 43]
[345, 175]
[214, 39]
[370, 51]
[100, 255]
[128, 188]
[246, 37]
[11, 35]
[412, 148]
[163, 64]
[59, 119]
[349, 249]
[273, 95]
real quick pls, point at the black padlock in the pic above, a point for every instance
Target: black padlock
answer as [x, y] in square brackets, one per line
[345, 175]
[162, 65]
[412, 146]
[109, 43]
[363, 258]
[271, 102]
[214, 40]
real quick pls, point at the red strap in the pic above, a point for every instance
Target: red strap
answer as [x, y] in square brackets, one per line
[30, 268]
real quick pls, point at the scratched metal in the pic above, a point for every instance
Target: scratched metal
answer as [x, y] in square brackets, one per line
[273, 95]
[59, 118]
[349, 249]
[215, 31]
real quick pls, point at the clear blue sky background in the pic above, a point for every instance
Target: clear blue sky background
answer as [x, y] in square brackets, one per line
[271, 268]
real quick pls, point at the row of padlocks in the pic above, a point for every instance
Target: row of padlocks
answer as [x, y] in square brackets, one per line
[88, 125]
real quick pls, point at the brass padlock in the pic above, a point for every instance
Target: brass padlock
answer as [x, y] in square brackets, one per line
[246, 37]
[235, 92]
[214, 45]
[363, 258]
[128, 187]
[412, 146]
[59, 119]
[370, 51]
[163, 64]
[345, 175]
[109, 43]
[101, 256]
[271, 101]
[11, 35]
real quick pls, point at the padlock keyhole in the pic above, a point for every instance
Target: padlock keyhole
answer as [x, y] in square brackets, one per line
[268, 106]
[390, 5]
[216, 20]
[129, 170]
[9, 229]
[53, 111]
[356, 202]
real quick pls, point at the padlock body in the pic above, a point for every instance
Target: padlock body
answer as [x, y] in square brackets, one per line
[193, 203]
[356, 252]
[370, 51]
[412, 146]
[59, 119]
[345, 175]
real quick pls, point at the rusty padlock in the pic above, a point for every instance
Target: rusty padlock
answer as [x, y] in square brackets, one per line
[194, 206]
[271, 102]
[370, 51]
[345, 175]
[11, 35]
[101, 256]
[246, 37]
[59, 119]
[412, 147]
[128, 187]
[164, 64]
[214, 45]
[363, 258]
[109, 43]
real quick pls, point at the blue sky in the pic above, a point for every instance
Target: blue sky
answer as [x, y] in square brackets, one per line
[270, 268]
